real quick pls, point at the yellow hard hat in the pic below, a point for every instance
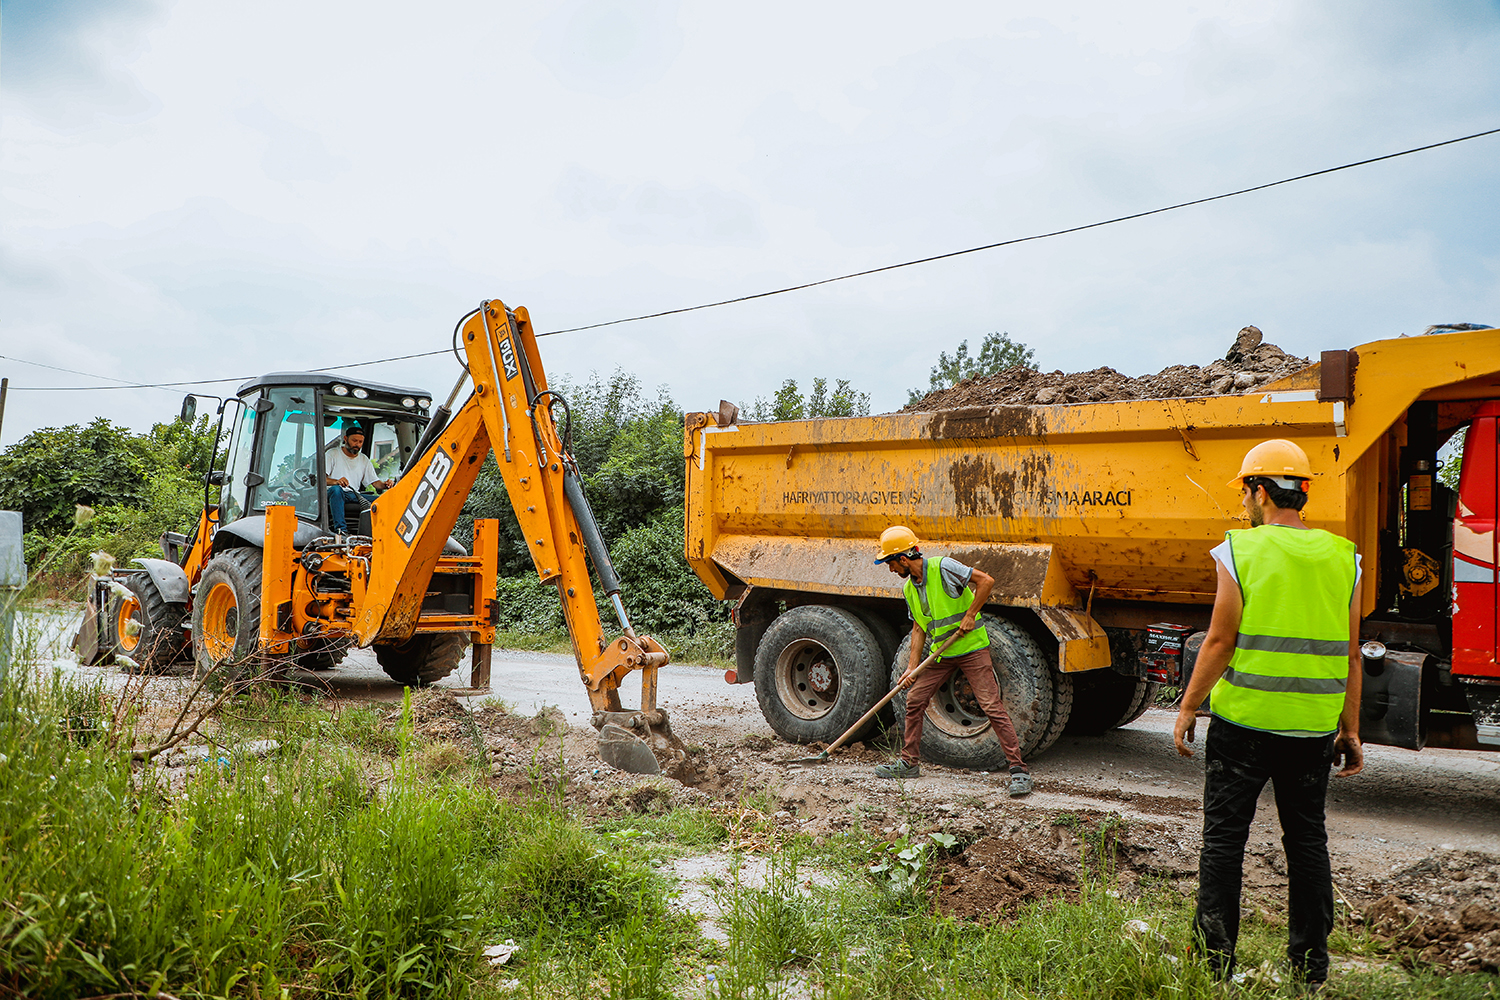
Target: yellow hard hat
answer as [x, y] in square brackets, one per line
[896, 540]
[1275, 459]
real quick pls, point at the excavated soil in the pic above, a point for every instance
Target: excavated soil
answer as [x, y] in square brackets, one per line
[1249, 364]
[1441, 910]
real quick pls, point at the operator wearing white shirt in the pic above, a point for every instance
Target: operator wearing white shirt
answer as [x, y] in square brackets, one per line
[349, 471]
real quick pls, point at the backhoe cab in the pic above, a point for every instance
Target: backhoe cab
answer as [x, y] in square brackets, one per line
[265, 587]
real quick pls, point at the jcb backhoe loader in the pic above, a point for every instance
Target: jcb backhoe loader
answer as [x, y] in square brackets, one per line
[264, 586]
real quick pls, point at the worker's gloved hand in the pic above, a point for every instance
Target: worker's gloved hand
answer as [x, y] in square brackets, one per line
[1348, 751]
[1184, 730]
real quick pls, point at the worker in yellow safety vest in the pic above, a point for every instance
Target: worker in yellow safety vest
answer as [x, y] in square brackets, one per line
[944, 596]
[1281, 660]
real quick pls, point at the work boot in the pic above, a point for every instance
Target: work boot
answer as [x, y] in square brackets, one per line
[1020, 784]
[900, 769]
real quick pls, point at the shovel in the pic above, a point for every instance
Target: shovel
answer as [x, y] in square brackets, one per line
[931, 659]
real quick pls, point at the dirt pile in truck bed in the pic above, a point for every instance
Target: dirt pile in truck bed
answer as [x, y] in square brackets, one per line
[1249, 364]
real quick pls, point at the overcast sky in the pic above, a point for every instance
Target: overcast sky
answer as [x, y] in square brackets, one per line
[201, 190]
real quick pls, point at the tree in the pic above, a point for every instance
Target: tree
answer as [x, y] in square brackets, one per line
[48, 472]
[997, 353]
[789, 404]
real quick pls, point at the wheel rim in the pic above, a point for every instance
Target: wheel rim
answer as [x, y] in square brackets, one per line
[130, 611]
[221, 621]
[955, 710]
[807, 679]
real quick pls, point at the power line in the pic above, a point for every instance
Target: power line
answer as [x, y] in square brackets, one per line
[796, 288]
[1022, 239]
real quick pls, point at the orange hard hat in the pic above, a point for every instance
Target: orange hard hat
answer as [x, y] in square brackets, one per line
[896, 540]
[1275, 459]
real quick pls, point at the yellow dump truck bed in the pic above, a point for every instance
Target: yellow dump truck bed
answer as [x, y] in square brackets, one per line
[1088, 515]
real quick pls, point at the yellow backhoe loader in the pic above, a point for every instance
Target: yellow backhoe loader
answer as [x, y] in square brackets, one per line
[264, 585]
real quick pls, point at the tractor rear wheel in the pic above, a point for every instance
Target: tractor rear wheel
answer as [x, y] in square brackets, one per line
[423, 659]
[147, 628]
[226, 614]
[955, 730]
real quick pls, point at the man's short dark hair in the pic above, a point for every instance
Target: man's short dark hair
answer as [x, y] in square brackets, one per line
[1282, 498]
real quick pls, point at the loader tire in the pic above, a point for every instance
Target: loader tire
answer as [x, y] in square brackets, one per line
[324, 653]
[956, 732]
[226, 616]
[817, 670]
[1104, 700]
[160, 640]
[422, 659]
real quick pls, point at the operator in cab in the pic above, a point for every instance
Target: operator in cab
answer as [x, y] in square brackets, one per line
[349, 470]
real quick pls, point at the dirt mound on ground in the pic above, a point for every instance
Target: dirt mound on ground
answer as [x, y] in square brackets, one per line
[994, 877]
[437, 715]
[1249, 364]
[1443, 909]
[1466, 941]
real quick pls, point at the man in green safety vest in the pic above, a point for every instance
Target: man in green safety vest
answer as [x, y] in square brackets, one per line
[944, 596]
[1282, 663]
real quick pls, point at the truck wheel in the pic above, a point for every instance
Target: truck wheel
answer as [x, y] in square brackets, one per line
[889, 640]
[1104, 700]
[422, 659]
[1190, 650]
[817, 670]
[956, 732]
[146, 627]
[226, 614]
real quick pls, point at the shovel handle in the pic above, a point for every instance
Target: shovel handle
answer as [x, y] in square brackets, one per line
[931, 659]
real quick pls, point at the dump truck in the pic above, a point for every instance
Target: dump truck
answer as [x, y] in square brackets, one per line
[1096, 520]
[265, 586]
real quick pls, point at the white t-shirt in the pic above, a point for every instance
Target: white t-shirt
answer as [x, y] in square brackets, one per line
[359, 470]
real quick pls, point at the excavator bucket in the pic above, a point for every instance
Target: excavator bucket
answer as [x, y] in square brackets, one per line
[643, 743]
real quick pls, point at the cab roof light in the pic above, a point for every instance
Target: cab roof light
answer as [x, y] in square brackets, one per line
[340, 390]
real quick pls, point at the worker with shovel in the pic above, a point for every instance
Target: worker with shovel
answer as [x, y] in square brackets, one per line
[1282, 660]
[944, 598]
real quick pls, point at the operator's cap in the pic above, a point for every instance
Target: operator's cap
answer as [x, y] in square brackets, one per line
[896, 540]
[1282, 462]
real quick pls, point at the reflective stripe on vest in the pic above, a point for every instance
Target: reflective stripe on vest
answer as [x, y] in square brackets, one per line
[939, 614]
[1291, 658]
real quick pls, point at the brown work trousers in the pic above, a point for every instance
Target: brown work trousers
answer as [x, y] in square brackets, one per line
[980, 670]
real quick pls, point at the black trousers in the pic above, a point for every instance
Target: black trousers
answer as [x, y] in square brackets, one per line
[1238, 763]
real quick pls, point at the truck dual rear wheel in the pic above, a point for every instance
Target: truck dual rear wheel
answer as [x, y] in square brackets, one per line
[423, 659]
[1105, 700]
[147, 628]
[817, 670]
[955, 730]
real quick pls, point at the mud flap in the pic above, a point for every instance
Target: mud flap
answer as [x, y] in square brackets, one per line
[1390, 705]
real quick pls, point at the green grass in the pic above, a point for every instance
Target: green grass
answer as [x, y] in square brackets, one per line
[295, 871]
[359, 861]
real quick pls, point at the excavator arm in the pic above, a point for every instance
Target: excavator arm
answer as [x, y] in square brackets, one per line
[509, 411]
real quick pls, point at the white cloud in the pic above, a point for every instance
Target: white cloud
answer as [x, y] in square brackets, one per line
[323, 182]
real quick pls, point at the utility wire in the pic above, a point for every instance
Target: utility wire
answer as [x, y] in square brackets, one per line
[810, 284]
[1022, 239]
